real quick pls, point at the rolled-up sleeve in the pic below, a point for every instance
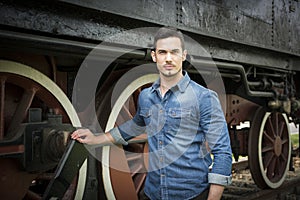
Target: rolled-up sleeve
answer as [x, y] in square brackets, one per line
[115, 133]
[219, 179]
[126, 131]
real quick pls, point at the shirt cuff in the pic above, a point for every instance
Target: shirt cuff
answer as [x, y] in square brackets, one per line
[115, 133]
[219, 179]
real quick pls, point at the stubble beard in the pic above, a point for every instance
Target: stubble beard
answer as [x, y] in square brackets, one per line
[170, 73]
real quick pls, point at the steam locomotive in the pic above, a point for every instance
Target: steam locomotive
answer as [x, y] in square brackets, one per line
[69, 64]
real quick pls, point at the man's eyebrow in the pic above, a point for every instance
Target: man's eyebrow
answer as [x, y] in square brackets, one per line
[167, 50]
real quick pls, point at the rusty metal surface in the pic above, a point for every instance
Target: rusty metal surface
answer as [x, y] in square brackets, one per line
[236, 109]
[14, 182]
[11, 149]
[262, 23]
[261, 32]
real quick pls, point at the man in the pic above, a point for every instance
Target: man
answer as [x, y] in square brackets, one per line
[180, 117]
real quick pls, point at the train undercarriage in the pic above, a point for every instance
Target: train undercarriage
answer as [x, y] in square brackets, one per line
[37, 118]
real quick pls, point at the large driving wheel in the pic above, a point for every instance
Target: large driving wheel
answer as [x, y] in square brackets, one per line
[269, 148]
[132, 159]
[22, 87]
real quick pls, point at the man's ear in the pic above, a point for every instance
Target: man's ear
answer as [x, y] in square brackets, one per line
[153, 55]
[184, 55]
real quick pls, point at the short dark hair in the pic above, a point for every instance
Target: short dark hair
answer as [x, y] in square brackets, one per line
[166, 32]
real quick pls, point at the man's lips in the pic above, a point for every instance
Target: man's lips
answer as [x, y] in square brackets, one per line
[168, 66]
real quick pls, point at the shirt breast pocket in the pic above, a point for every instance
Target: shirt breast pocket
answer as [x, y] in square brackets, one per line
[179, 113]
[151, 122]
[179, 119]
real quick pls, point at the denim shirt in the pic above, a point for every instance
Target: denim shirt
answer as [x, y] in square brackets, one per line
[178, 126]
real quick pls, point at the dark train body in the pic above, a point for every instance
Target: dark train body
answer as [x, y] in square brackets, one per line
[251, 48]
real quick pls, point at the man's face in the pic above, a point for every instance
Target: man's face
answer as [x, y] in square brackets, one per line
[169, 56]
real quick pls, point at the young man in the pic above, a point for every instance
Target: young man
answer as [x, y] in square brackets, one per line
[180, 117]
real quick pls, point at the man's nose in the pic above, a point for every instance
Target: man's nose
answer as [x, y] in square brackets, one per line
[168, 56]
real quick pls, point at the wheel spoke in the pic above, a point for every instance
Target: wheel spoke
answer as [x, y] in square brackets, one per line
[267, 148]
[134, 156]
[21, 111]
[276, 124]
[267, 159]
[271, 167]
[283, 156]
[277, 170]
[135, 168]
[271, 126]
[284, 141]
[139, 182]
[2, 97]
[132, 105]
[268, 137]
[281, 130]
[125, 113]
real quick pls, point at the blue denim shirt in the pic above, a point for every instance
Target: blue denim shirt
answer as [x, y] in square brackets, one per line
[178, 126]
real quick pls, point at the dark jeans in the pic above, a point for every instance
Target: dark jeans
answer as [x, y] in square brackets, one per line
[202, 196]
[143, 196]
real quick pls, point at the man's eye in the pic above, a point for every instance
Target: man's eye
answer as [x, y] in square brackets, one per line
[175, 52]
[161, 52]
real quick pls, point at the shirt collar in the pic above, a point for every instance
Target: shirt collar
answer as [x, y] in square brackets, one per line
[181, 85]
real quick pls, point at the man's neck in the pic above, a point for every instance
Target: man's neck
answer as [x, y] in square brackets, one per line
[168, 82]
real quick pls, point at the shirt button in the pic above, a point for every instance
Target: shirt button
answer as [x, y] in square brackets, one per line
[160, 142]
[160, 111]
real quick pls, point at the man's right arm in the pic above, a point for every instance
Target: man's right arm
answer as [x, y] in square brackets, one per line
[85, 136]
[117, 135]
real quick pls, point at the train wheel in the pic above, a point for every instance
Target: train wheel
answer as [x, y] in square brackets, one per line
[21, 88]
[128, 182]
[269, 148]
